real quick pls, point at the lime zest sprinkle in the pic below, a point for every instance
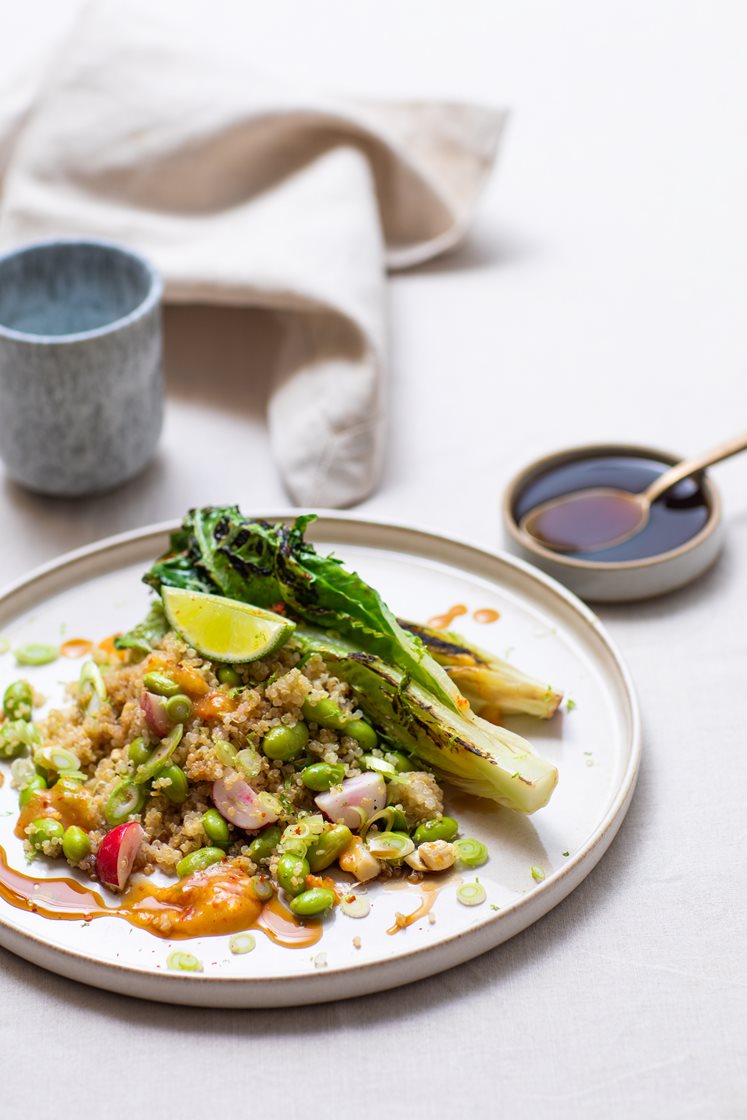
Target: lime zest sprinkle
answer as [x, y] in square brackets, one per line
[242, 943]
[570, 704]
[183, 962]
[471, 894]
[538, 873]
[566, 854]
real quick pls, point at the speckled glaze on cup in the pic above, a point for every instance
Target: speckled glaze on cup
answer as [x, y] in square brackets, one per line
[623, 581]
[81, 384]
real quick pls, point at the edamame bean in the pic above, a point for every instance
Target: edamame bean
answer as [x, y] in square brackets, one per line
[18, 700]
[229, 676]
[440, 828]
[285, 743]
[402, 764]
[45, 830]
[160, 684]
[125, 799]
[292, 871]
[176, 792]
[313, 902]
[264, 845]
[75, 844]
[363, 733]
[30, 789]
[216, 828]
[198, 861]
[322, 776]
[138, 751]
[326, 848]
[325, 712]
[179, 708]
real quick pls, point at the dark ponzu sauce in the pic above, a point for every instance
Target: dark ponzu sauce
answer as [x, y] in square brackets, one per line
[674, 519]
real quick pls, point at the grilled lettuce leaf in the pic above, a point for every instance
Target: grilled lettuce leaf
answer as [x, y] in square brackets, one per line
[143, 637]
[219, 550]
[479, 758]
[494, 687]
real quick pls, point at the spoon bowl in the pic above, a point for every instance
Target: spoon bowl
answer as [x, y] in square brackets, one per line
[587, 520]
[599, 518]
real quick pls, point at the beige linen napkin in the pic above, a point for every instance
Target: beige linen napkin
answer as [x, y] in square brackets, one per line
[153, 128]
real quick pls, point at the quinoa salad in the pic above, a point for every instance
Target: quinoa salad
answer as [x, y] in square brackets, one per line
[231, 735]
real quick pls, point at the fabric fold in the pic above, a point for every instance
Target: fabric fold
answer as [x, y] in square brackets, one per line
[156, 131]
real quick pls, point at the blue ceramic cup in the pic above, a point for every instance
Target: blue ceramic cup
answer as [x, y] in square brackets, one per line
[81, 384]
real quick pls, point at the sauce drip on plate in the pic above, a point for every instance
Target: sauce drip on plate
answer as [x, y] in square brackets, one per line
[429, 892]
[444, 621]
[219, 900]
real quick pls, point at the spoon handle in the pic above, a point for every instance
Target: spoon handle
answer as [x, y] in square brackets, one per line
[692, 466]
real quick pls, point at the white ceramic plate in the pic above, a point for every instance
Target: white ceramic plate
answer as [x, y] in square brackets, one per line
[96, 591]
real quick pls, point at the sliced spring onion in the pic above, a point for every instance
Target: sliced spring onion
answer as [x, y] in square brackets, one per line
[471, 853]
[538, 873]
[92, 688]
[390, 845]
[36, 653]
[160, 756]
[17, 736]
[183, 962]
[306, 829]
[225, 753]
[355, 906]
[471, 894]
[270, 804]
[242, 943]
[125, 799]
[72, 776]
[22, 770]
[387, 815]
[249, 762]
[262, 887]
[378, 765]
[56, 758]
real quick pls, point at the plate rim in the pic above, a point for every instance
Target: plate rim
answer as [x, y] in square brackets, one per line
[175, 988]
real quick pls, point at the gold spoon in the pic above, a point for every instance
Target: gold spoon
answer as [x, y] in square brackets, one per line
[602, 516]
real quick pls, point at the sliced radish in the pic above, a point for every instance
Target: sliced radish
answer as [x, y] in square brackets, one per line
[240, 805]
[155, 714]
[117, 854]
[354, 800]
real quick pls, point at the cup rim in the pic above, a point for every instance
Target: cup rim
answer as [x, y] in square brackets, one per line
[151, 299]
[584, 451]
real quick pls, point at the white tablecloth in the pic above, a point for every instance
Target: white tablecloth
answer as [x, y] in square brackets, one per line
[601, 296]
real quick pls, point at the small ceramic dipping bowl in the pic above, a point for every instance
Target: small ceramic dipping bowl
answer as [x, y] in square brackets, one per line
[681, 540]
[81, 387]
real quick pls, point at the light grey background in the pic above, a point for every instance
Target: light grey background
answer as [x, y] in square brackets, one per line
[600, 296]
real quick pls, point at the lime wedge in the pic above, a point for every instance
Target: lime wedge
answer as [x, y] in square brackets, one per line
[224, 629]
